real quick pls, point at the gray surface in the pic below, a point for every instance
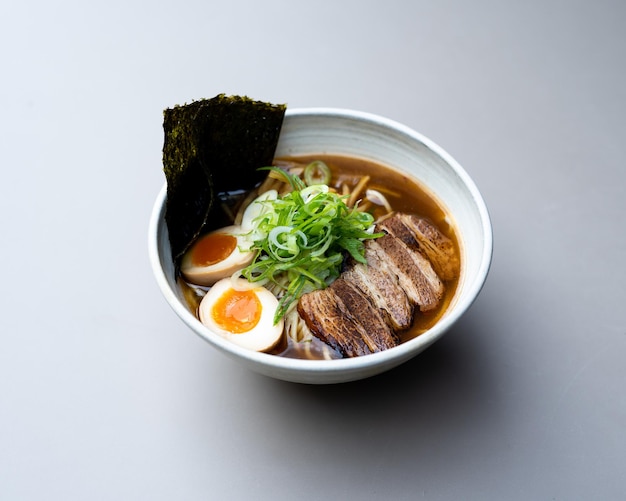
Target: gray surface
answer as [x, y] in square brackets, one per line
[105, 395]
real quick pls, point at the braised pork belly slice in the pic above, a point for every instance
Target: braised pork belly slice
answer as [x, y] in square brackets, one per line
[437, 247]
[384, 292]
[327, 321]
[395, 226]
[365, 309]
[377, 333]
[415, 273]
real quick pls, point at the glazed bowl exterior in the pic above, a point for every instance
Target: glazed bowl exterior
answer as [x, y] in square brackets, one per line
[308, 131]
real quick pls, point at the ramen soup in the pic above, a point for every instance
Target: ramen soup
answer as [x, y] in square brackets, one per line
[372, 188]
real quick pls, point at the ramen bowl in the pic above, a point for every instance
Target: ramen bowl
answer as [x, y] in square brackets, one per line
[311, 131]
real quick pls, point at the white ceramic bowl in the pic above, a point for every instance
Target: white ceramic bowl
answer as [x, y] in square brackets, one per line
[325, 130]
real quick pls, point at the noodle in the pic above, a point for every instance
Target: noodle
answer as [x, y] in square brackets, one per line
[365, 206]
[358, 189]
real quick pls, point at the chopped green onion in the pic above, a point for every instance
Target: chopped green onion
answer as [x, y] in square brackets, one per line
[317, 172]
[302, 239]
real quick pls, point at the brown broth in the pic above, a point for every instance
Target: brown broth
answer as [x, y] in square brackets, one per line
[404, 195]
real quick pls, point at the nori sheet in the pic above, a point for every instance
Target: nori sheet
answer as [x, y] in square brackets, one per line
[213, 146]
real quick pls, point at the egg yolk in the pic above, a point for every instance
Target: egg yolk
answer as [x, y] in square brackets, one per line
[213, 248]
[237, 311]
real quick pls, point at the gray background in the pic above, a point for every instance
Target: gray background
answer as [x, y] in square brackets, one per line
[104, 394]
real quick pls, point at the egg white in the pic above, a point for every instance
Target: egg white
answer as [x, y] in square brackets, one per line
[239, 258]
[264, 336]
[255, 209]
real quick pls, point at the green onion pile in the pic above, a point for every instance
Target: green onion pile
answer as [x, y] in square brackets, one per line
[303, 236]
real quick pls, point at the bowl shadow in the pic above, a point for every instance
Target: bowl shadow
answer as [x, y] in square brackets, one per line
[446, 392]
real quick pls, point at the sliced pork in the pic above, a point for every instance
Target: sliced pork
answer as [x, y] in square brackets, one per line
[325, 318]
[434, 244]
[365, 309]
[414, 272]
[384, 292]
[377, 333]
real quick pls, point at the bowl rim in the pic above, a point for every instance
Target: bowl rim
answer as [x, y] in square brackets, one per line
[399, 353]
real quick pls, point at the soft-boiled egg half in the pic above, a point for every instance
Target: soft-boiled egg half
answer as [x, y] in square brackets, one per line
[222, 252]
[217, 255]
[243, 313]
[259, 207]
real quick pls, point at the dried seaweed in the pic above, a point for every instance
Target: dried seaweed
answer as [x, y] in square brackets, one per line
[213, 146]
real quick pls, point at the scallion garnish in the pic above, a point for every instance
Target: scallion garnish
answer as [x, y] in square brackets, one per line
[317, 172]
[302, 238]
